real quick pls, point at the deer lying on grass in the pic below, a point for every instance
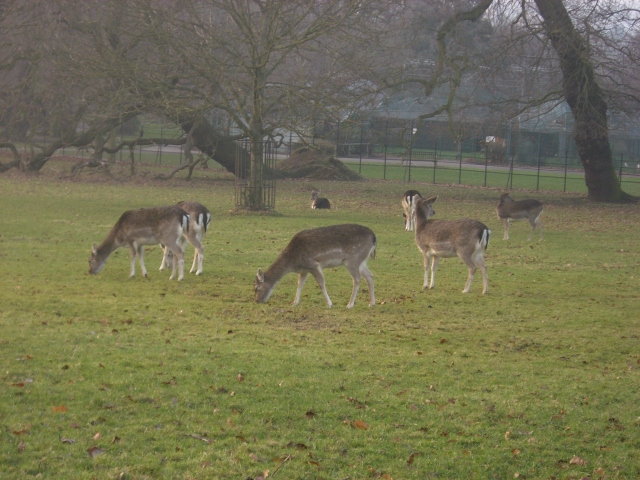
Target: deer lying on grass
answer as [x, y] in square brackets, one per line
[199, 218]
[408, 206]
[309, 251]
[319, 202]
[508, 209]
[144, 226]
[468, 239]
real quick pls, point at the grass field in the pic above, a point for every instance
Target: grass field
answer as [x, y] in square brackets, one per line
[109, 377]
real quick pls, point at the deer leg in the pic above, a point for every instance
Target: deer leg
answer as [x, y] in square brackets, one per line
[301, 279]
[166, 253]
[355, 274]
[198, 256]
[471, 265]
[532, 222]
[539, 226]
[434, 266]
[507, 222]
[319, 276]
[178, 261]
[427, 264]
[140, 251]
[368, 276]
[132, 253]
[485, 277]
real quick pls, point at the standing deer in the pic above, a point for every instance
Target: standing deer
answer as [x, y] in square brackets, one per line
[409, 206]
[309, 251]
[144, 226]
[199, 222]
[468, 239]
[319, 202]
[508, 209]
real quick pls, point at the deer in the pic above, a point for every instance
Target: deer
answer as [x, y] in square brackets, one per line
[466, 238]
[408, 206]
[200, 218]
[509, 209]
[309, 251]
[319, 202]
[140, 227]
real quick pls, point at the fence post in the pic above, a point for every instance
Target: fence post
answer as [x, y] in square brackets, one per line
[621, 163]
[337, 141]
[538, 177]
[361, 134]
[435, 161]
[460, 167]
[386, 130]
[486, 163]
[566, 160]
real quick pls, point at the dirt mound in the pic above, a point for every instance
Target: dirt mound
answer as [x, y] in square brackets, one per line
[309, 163]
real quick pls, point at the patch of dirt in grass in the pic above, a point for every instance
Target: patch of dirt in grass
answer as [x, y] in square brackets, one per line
[309, 163]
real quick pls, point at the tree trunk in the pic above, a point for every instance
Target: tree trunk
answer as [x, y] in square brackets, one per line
[587, 102]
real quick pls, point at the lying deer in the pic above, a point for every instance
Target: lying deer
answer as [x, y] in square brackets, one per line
[319, 202]
[408, 206]
[199, 222]
[508, 210]
[144, 226]
[468, 239]
[309, 251]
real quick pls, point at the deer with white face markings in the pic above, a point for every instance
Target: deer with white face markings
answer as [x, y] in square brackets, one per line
[140, 227]
[309, 251]
[319, 202]
[409, 206]
[200, 218]
[468, 239]
[509, 209]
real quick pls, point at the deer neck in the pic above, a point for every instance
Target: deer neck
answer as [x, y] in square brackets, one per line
[277, 270]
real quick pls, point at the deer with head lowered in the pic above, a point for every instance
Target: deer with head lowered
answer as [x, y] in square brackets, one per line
[408, 206]
[309, 251]
[468, 239]
[140, 227]
[199, 218]
[509, 209]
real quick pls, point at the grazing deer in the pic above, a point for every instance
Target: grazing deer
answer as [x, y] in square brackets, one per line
[319, 202]
[144, 226]
[508, 209]
[408, 205]
[468, 239]
[199, 222]
[309, 251]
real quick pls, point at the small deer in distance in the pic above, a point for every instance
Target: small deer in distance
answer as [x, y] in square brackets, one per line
[140, 227]
[309, 251]
[468, 239]
[409, 206]
[509, 209]
[319, 202]
[200, 218]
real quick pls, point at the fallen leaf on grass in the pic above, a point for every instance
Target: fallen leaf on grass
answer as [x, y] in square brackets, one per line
[97, 436]
[515, 452]
[412, 457]
[115, 440]
[200, 437]
[21, 432]
[577, 461]
[359, 424]
[70, 441]
[310, 414]
[95, 451]
[60, 409]
[240, 377]
[21, 446]
[19, 384]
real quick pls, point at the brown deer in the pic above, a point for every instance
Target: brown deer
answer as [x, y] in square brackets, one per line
[200, 218]
[408, 206]
[309, 251]
[144, 226]
[468, 239]
[319, 202]
[508, 210]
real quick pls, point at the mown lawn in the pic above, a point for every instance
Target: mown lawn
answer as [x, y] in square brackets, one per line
[109, 377]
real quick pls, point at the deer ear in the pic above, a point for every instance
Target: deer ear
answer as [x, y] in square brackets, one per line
[260, 276]
[430, 200]
[94, 249]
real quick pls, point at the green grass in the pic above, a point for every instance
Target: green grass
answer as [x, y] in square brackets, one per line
[192, 379]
